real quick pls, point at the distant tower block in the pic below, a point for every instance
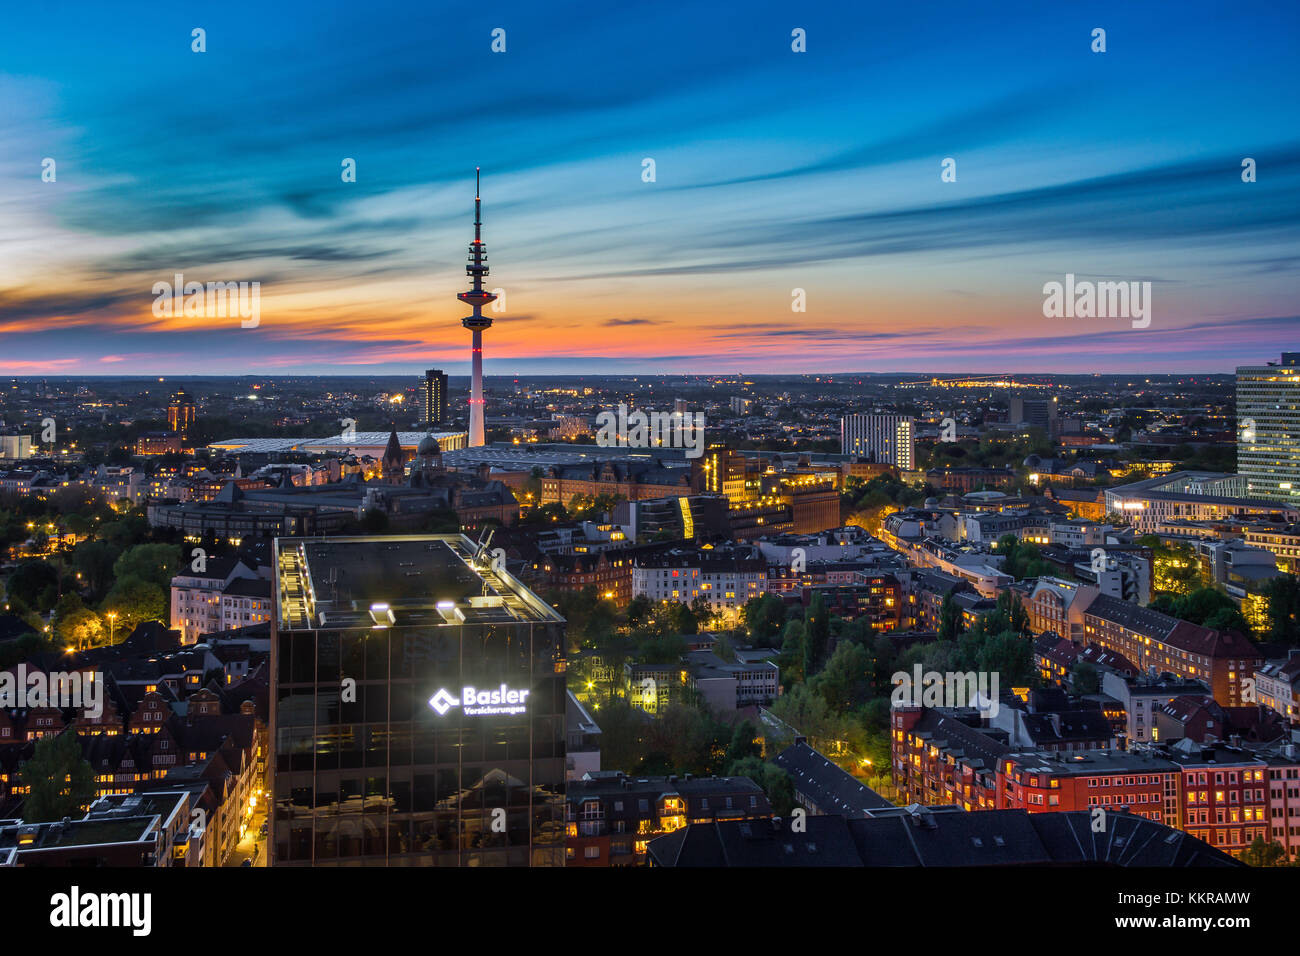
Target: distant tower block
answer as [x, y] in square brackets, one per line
[477, 297]
[181, 412]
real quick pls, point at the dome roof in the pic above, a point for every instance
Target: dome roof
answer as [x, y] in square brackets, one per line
[428, 446]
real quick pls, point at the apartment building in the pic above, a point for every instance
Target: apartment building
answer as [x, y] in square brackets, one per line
[1158, 643]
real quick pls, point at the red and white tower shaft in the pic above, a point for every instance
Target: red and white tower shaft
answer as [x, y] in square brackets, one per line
[477, 297]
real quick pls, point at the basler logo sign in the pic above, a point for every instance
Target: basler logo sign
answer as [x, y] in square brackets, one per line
[476, 702]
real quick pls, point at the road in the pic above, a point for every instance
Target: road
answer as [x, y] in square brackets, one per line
[253, 845]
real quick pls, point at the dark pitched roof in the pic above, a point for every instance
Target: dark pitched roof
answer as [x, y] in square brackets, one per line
[826, 785]
[980, 750]
[937, 836]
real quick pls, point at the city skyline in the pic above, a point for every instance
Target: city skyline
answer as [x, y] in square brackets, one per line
[225, 166]
[885, 455]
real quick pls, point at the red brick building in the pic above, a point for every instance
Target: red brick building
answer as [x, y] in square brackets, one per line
[1155, 641]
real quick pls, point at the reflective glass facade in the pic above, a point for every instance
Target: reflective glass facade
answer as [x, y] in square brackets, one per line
[369, 631]
[1268, 429]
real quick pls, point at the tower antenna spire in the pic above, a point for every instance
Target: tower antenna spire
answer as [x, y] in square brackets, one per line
[476, 297]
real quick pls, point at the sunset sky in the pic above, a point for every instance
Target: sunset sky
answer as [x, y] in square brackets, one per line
[775, 170]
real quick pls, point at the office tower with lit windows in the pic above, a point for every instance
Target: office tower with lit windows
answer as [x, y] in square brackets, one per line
[433, 398]
[419, 708]
[887, 439]
[181, 412]
[1268, 429]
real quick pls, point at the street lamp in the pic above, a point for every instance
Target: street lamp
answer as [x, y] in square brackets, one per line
[112, 620]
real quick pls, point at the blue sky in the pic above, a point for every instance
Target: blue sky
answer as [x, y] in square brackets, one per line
[775, 170]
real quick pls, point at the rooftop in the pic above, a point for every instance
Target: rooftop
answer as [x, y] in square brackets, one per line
[925, 836]
[409, 440]
[386, 580]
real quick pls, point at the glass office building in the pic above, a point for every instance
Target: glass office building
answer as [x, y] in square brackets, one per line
[419, 705]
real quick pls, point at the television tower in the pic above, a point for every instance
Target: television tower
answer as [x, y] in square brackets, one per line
[476, 323]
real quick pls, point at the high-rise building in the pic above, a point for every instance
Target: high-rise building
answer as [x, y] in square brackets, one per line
[1268, 429]
[14, 447]
[477, 297]
[433, 398]
[721, 471]
[1035, 412]
[181, 412]
[418, 715]
[889, 439]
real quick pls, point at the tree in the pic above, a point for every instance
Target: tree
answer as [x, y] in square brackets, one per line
[846, 679]
[773, 780]
[1086, 678]
[1022, 559]
[1205, 606]
[949, 619]
[658, 647]
[764, 619]
[1262, 852]
[743, 744]
[94, 560]
[1012, 610]
[79, 628]
[61, 782]
[1282, 611]
[794, 653]
[884, 658]
[808, 713]
[702, 611]
[24, 648]
[942, 656]
[530, 492]
[682, 618]
[621, 728]
[134, 601]
[590, 617]
[1176, 568]
[440, 521]
[818, 622]
[35, 583]
[1010, 657]
[638, 610]
[155, 563]
[78, 524]
[688, 737]
[546, 514]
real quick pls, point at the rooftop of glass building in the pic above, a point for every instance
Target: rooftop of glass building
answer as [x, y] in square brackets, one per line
[389, 581]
